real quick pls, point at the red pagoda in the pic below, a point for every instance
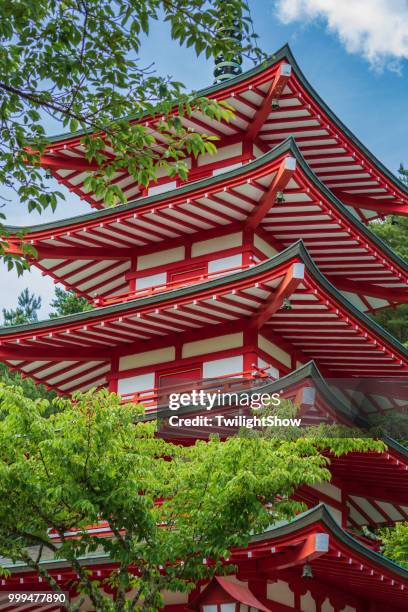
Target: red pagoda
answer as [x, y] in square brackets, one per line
[259, 266]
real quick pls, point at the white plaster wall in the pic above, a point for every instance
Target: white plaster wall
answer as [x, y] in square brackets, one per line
[162, 188]
[280, 592]
[226, 168]
[212, 245]
[326, 606]
[161, 257]
[221, 367]
[329, 489]
[336, 514]
[224, 263]
[307, 603]
[221, 154]
[274, 351]
[151, 281]
[142, 382]
[210, 345]
[263, 246]
[138, 360]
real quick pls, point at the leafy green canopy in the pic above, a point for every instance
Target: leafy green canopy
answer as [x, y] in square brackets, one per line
[167, 506]
[395, 543]
[78, 62]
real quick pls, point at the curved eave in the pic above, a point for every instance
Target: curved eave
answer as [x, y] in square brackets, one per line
[288, 146]
[250, 76]
[365, 246]
[322, 516]
[318, 517]
[296, 251]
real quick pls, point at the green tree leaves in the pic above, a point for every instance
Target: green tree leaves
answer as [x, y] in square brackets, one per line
[78, 63]
[395, 540]
[167, 506]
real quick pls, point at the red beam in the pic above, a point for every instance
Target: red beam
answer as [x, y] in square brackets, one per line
[275, 91]
[363, 288]
[283, 175]
[293, 277]
[315, 545]
[63, 162]
[363, 201]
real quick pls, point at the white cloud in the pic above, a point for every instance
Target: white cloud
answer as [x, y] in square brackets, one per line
[375, 29]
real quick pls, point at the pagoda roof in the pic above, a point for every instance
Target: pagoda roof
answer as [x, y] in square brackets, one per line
[320, 324]
[336, 155]
[91, 253]
[313, 537]
[337, 558]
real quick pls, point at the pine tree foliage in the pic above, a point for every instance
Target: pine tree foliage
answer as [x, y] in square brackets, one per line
[26, 312]
[67, 302]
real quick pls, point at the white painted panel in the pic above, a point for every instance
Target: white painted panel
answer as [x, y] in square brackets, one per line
[160, 258]
[221, 367]
[211, 345]
[307, 603]
[336, 514]
[226, 168]
[138, 360]
[263, 246]
[224, 263]
[328, 489]
[280, 592]
[221, 154]
[162, 188]
[326, 606]
[142, 382]
[212, 245]
[270, 348]
[151, 281]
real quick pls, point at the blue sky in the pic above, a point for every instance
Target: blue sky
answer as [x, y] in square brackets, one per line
[346, 59]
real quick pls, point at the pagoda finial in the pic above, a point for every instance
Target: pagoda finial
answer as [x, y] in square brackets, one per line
[226, 68]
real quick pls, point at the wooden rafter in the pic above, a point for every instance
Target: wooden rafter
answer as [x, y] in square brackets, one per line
[369, 203]
[287, 286]
[277, 87]
[360, 287]
[283, 175]
[313, 546]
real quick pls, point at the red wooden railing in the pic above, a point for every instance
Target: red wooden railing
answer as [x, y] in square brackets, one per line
[168, 286]
[225, 383]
